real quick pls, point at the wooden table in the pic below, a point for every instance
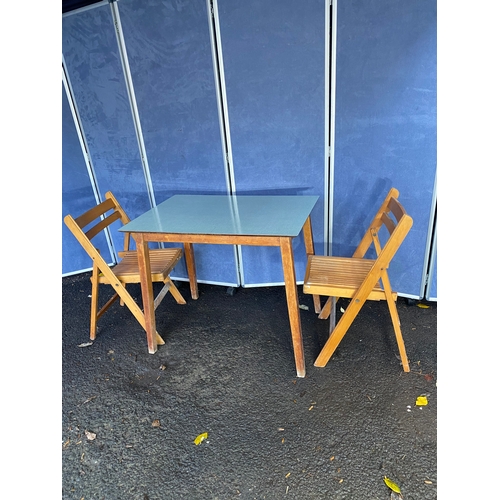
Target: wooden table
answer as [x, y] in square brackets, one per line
[226, 220]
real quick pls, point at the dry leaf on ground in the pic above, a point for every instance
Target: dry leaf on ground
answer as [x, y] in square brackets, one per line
[90, 435]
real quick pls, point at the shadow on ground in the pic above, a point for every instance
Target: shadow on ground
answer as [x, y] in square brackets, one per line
[129, 418]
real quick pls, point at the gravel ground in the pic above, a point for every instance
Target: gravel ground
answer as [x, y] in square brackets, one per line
[129, 418]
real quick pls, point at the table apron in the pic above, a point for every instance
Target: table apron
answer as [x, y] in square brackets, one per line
[216, 239]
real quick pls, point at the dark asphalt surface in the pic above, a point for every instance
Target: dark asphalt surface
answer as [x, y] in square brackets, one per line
[129, 418]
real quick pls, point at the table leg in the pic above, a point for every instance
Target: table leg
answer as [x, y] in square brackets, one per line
[293, 304]
[147, 291]
[308, 241]
[191, 269]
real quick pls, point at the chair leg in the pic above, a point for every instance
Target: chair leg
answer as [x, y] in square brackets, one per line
[93, 303]
[106, 306]
[134, 308]
[325, 312]
[395, 321]
[159, 340]
[168, 287]
[317, 304]
[121, 300]
[339, 331]
[399, 337]
[96, 313]
[175, 293]
[333, 314]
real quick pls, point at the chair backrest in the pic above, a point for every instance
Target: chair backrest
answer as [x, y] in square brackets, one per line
[393, 217]
[94, 221]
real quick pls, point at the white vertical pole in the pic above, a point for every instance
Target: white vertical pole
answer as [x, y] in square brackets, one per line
[330, 86]
[85, 151]
[225, 131]
[131, 95]
[220, 87]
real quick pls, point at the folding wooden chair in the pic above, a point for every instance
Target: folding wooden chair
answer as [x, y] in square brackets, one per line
[360, 279]
[95, 221]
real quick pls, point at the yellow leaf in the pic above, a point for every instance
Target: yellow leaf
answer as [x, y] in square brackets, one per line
[421, 401]
[200, 438]
[423, 306]
[392, 485]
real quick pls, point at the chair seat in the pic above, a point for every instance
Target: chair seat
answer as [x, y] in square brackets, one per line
[339, 277]
[162, 262]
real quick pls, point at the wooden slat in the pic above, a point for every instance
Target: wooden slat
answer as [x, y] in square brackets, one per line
[396, 208]
[162, 263]
[388, 222]
[339, 277]
[348, 272]
[94, 213]
[107, 221]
